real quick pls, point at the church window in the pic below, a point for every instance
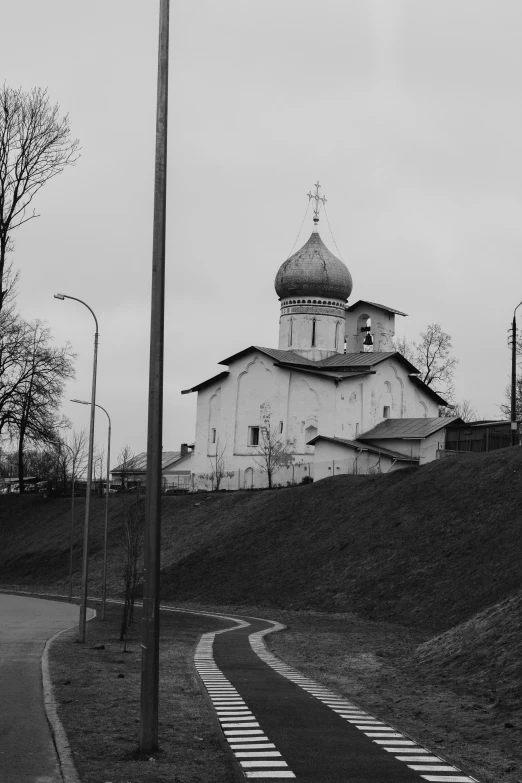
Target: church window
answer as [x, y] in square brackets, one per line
[253, 436]
[280, 427]
[356, 429]
[213, 439]
[336, 335]
[386, 412]
[313, 333]
[290, 331]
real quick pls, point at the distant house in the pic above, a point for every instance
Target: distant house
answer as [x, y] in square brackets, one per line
[176, 469]
[392, 444]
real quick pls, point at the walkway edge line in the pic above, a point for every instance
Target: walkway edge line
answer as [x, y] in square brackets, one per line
[67, 769]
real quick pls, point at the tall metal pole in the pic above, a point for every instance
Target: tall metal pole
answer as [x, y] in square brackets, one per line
[150, 621]
[514, 427]
[106, 527]
[71, 542]
[85, 564]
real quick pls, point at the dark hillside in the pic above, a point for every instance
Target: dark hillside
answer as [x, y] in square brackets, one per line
[427, 547]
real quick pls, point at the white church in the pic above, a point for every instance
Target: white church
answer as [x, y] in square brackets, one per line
[335, 390]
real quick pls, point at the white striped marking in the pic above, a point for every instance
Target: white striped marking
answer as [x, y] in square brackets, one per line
[272, 774]
[249, 747]
[424, 759]
[448, 778]
[393, 742]
[432, 768]
[231, 732]
[266, 763]
[257, 754]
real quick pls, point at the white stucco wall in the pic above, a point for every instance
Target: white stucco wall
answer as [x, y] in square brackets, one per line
[335, 459]
[305, 403]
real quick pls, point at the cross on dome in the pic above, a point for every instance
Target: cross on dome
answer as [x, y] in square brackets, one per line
[318, 201]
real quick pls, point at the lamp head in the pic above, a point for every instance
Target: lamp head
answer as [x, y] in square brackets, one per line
[82, 402]
[59, 296]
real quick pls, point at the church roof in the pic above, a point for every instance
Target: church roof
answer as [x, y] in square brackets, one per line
[374, 304]
[339, 366]
[355, 444]
[344, 361]
[202, 385]
[313, 271]
[408, 428]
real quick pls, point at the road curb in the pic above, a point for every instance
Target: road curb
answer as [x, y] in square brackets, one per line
[61, 743]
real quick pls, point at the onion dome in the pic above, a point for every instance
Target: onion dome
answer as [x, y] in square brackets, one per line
[314, 271]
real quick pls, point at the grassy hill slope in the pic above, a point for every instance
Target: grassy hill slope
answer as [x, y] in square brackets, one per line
[427, 547]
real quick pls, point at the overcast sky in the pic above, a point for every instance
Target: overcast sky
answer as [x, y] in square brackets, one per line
[407, 111]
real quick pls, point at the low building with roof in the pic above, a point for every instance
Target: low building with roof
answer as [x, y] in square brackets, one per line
[334, 376]
[176, 469]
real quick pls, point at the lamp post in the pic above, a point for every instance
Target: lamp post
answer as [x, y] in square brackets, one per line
[514, 430]
[85, 564]
[106, 526]
[152, 546]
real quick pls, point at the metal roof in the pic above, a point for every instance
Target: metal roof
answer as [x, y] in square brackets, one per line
[355, 444]
[288, 357]
[374, 304]
[314, 271]
[408, 428]
[138, 463]
[202, 385]
[364, 360]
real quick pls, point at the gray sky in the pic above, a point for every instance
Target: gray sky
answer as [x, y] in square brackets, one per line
[407, 111]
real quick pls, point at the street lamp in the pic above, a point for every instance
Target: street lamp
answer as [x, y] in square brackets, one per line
[106, 527]
[85, 565]
[514, 429]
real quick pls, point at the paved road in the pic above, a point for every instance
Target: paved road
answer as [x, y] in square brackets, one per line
[280, 724]
[27, 753]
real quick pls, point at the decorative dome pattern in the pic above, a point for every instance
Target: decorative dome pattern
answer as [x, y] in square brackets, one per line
[313, 271]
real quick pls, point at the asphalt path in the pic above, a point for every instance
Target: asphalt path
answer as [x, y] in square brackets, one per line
[319, 739]
[27, 751]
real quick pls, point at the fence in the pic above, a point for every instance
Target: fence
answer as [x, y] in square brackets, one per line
[478, 439]
[255, 478]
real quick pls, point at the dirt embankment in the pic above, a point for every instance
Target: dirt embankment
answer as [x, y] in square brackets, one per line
[437, 549]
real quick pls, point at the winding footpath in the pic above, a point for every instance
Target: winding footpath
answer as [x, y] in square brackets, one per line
[275, 722]
[280, 724]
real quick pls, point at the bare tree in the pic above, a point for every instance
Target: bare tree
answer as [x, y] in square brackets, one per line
[35, 146]
[464, 409]
[133, 507]
[505, 407]
[432, 357]
[217, 467]
[274, 451]
[33, 410]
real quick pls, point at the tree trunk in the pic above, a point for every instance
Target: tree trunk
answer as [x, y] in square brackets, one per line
[21, 458]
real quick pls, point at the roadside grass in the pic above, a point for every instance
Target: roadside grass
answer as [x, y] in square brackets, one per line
[100, 710]
[371, 663]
